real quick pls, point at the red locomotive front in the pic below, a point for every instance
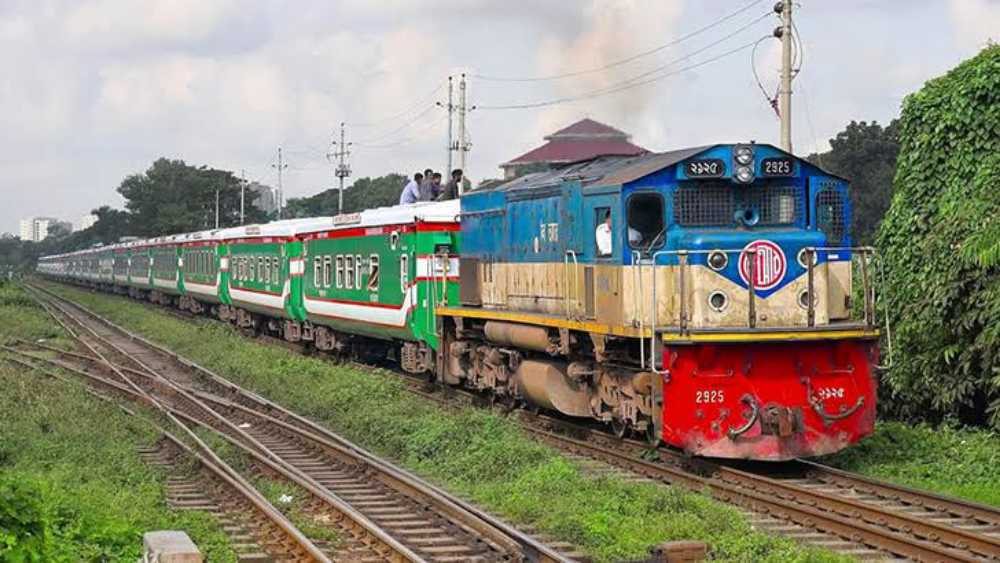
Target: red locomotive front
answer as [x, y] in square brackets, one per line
[769, 401]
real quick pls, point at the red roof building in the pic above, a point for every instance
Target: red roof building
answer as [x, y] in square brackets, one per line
[582, 140]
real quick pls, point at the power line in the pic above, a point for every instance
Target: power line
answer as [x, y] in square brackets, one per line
[414, 136]
[406, 124]
[400, 113]
[626, 60]
[638, 80]
[612, 90]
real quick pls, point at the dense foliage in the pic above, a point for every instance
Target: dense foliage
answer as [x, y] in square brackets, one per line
[365, 193]
[939, 240]
[864, 153]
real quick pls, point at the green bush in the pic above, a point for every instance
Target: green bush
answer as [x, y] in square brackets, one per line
[25, 522]
[942, 289]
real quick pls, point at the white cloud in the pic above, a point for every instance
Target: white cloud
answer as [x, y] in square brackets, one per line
[126, 24]
[975, 22]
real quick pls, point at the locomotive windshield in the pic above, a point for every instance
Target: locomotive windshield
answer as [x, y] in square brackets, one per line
[719, 204]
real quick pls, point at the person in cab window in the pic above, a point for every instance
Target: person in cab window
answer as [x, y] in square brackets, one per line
[603, 236]
[634, 236]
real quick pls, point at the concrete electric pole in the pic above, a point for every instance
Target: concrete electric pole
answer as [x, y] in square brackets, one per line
[343, 169]
[450, 108]
[463, 145]
[280, 166]
[784, 9]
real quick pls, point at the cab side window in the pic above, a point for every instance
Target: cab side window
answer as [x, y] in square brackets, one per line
[602, 231]
[646, 220]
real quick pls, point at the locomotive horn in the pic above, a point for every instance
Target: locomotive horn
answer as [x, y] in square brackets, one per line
[748, 216]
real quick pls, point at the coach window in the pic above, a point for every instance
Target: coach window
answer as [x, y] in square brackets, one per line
[340, 271]
[646, 220]
[373, 272]
[349, 272]
[327, 270]
[404, 271]
[275, 270]
[317, 271]
[357, 272]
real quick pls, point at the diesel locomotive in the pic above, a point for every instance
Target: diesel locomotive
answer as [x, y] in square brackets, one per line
[708, 298]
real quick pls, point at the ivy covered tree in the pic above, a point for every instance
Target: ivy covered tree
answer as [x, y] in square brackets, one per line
[940, 241]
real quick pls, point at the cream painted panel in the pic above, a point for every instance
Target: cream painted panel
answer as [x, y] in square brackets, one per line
[840, 289]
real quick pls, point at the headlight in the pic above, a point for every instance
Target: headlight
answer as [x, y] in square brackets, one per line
[717, 301]
[744, 174]
[743, 155]
[717, 260]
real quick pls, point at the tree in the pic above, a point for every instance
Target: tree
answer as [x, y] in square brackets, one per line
[111, 225]
[173, 197]
[864, 153]
[942, 285]
[365, 193]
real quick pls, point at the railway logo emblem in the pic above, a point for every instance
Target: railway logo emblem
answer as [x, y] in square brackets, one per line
[769, 264]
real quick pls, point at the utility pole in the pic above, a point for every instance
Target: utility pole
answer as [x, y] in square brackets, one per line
[243, 196]
[784, 9]
[450, 108]
[463, 145]
[281, 165]
[343, 170]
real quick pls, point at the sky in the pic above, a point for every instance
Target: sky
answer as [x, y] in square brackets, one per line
[96, 90]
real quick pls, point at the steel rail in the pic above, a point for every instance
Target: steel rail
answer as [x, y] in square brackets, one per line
[483, 523]
[224, 471]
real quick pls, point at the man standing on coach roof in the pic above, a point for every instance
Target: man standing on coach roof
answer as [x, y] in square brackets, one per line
[451, 188]
[411, 192]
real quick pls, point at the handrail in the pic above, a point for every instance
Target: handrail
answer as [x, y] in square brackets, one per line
[866, 254]
[576, 279]
[638, 304]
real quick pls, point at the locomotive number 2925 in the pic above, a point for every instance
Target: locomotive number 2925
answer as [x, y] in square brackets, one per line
[777, 166]
[708, 396]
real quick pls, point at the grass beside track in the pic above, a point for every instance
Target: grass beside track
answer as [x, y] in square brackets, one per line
[72, 484]
[473, 452]
[955, 461]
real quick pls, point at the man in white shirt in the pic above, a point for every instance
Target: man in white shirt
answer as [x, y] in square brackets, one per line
[603, 236]
[411, 192]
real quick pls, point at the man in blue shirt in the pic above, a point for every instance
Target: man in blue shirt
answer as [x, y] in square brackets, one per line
[411, 192]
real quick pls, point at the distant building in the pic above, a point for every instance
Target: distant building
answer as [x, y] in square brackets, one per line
[85, 222]
[264, 197]
[36, 229]
[582, 140]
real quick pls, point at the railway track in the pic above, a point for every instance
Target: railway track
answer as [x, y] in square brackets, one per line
[257, 530]
[818, 505]
[406, 518]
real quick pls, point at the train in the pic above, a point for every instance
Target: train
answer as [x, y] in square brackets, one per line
[708, 298]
